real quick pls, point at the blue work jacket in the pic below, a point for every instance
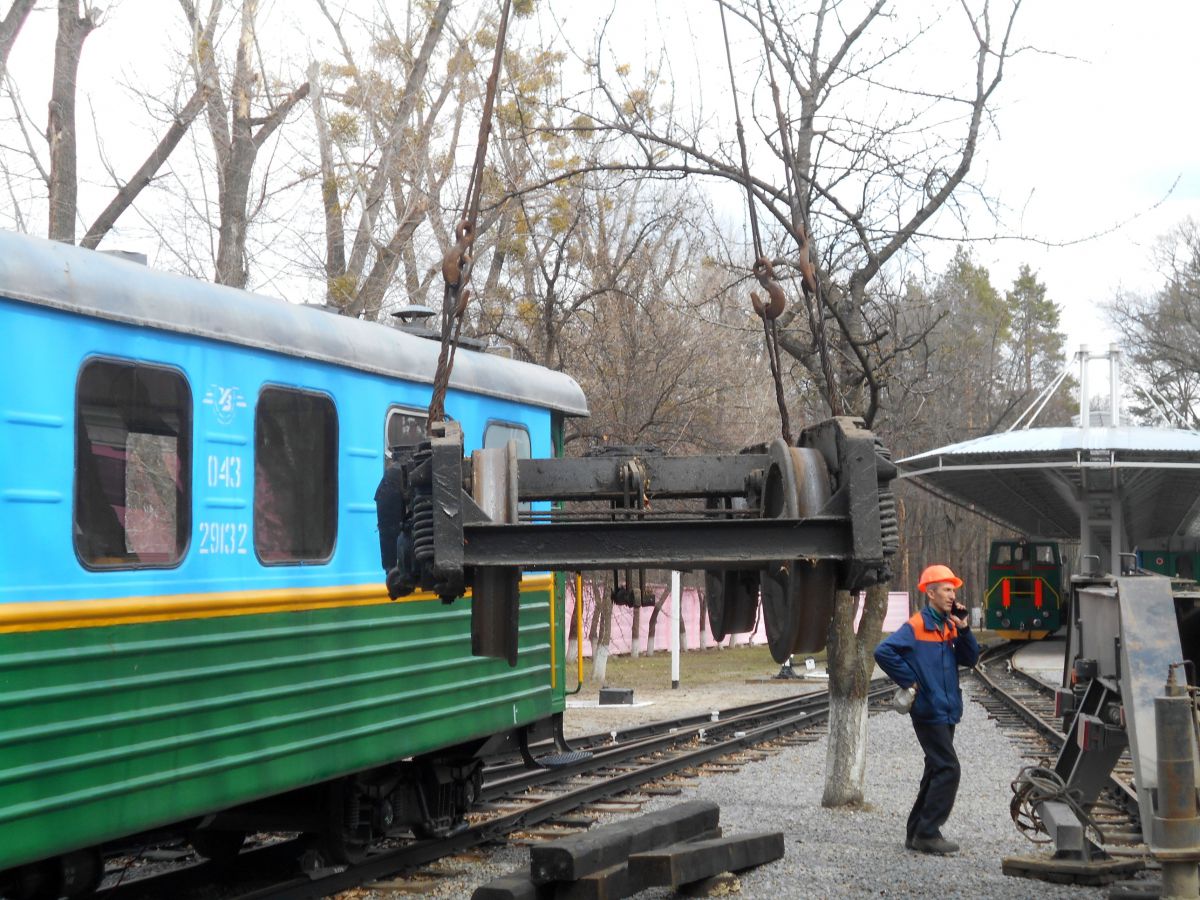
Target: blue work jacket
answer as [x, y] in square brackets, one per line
[921, 653]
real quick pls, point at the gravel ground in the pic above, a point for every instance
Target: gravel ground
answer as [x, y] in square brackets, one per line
[848, 853]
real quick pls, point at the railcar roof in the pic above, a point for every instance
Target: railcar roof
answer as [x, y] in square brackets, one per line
[71, 278]
[1034, 478]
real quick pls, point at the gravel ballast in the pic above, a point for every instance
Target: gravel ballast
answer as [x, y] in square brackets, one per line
[860, 852]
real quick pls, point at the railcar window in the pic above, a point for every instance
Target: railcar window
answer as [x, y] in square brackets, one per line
[295, 477]
[1002, 554]
[405, 428]
[497, 434]
[1045, 553]
[133, 433]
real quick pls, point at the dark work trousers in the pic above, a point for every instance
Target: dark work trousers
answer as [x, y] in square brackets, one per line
[939, 783]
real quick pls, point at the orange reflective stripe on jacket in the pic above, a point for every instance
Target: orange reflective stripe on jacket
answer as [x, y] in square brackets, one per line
[922, 632]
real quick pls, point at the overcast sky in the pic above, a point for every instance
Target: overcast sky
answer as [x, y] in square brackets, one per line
[1091, 135]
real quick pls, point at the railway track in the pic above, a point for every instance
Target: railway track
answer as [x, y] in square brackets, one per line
[533, 804]
[1023, 707]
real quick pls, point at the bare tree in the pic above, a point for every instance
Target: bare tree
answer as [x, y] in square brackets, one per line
[10, 27]
[1162, 332]
[73, 29]
[848, 189]
[128, 192]
[59, 178]
[238, 128]
[380, 172]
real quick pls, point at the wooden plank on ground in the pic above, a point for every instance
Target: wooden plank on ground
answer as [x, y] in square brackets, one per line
[685, 862]
[571, 858]
[607, 884]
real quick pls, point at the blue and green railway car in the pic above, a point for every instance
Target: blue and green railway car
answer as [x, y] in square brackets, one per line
[1182, 564]
[193, 622]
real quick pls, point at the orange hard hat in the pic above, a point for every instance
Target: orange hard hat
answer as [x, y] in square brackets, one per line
[935, 574]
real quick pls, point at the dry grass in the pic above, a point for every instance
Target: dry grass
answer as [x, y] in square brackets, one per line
[697, 668]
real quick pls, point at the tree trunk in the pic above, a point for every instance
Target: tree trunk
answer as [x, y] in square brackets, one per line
[635, 628]
[573, 625]
[682, 627]
[235, 189]
[600, 664]
[60, 128]
[658, 605]
[851, 662]
[10, 27]
[604, 610]
[846, 753]
[130, 190]
[335, 236]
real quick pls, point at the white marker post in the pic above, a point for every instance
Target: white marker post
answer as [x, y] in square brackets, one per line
[675, 619]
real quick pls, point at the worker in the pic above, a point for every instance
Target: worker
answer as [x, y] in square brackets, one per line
[923, 656]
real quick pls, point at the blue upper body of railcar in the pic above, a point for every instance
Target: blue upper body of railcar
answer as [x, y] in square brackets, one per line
[63, 310]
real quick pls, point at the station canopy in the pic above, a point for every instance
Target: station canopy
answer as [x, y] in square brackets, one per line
[1047, 482]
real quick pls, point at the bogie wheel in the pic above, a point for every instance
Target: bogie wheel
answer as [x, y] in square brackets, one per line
[732, 600]
[345, 840]
[731, 596]
[797, 595]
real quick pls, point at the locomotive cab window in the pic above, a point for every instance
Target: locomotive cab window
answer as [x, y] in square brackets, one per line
[295, 477]
[133, 434]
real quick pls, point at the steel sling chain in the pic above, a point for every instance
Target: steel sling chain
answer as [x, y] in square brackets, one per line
[456, 264]
[762, 269]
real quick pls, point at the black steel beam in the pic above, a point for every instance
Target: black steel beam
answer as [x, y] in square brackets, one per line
[599, 478]
[721, 544]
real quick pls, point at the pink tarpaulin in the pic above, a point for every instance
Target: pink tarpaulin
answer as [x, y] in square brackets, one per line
[621, 639]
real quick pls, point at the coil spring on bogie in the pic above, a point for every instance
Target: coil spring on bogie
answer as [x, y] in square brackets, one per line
[889, 517]
[422, 531]
[422, 513]
[889, 523]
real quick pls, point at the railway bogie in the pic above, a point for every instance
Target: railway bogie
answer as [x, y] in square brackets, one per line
[193, 624]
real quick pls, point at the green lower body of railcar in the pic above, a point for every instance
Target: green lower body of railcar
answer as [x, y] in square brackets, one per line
[109, 731]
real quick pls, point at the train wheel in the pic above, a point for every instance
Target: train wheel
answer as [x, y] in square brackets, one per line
[797, 595]
[345, 839]
[732, 599]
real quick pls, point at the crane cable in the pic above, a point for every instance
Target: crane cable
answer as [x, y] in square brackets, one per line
[810, 289]
[762, 269]
[456, 263]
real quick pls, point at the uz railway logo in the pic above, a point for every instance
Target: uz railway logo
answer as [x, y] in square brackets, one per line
[225, 401]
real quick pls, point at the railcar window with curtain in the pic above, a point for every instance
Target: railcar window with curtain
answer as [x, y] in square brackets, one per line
[295, 477]
[133, 436]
